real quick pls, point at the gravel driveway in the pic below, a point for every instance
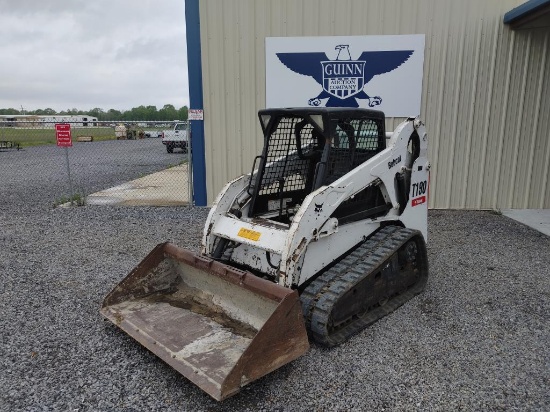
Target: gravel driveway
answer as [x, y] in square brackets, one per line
[36, 177]
[476, 339]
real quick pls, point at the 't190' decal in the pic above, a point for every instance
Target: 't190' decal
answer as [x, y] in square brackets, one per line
[419, 188]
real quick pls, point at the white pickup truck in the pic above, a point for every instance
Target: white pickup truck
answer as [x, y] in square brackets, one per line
[176, 137]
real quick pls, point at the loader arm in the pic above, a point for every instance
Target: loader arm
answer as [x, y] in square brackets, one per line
[315, 222]
[233, 194]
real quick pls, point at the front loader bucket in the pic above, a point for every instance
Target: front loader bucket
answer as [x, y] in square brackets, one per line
[218, 326]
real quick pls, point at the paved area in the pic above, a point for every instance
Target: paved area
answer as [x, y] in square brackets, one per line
[538, 219]
[162, 188]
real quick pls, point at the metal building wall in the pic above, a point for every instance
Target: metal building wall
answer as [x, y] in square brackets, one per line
[485, 99]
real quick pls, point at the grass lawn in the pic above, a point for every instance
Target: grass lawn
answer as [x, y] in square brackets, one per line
[37, 137]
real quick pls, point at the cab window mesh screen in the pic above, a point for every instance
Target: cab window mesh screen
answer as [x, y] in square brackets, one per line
[285, 165]
[355, 141]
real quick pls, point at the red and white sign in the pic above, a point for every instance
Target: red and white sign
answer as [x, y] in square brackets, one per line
[63, 135]
[195, 114]
[418, 201]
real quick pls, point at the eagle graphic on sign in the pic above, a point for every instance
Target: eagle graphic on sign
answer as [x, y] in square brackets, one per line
[343, 79]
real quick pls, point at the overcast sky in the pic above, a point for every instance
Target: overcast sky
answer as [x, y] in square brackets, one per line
[80, 54]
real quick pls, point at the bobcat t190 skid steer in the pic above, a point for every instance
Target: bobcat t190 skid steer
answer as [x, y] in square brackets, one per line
[325, 235]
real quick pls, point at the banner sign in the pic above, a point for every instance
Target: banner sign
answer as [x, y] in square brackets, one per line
[378, 72]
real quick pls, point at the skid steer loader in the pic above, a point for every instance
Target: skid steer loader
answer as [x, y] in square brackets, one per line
[325, 236]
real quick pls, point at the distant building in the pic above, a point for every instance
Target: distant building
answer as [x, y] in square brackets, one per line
[31, 120]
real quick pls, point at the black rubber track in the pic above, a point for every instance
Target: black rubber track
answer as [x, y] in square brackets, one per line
[321, 295]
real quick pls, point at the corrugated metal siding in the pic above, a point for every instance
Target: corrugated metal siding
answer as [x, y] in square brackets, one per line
[485, 98]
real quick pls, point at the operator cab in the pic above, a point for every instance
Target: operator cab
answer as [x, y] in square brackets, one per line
[305, 149]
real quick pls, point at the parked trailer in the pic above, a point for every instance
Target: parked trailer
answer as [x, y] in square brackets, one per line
[49, 121]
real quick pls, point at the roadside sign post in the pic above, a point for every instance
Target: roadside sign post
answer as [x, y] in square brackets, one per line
[63, 138]
[189, 165]
[192, 114]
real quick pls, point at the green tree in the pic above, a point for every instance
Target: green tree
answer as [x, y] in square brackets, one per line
[113, 114]
[38, 112]
[168, 112]
[152, 113]
[183, 113]
[71, 112]
[97, 112]
[144, 113]
[9, 111]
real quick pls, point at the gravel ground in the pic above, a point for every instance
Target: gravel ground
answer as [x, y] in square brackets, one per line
[476, 339]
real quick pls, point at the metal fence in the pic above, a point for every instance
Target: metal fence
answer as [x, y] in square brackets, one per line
[113, 163]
